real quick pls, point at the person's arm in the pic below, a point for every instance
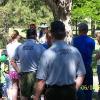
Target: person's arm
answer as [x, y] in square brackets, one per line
[14, 59]
[81, 71]
[42, 73]
[39, 88]
[14, 64]
[79, 81]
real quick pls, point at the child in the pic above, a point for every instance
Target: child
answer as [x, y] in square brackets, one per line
[4, 73]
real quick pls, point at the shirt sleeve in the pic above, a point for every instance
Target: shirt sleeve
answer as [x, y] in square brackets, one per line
[80, 66]
[93, 45]
[42, 68]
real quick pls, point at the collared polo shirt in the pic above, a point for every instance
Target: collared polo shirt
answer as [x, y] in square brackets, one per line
[29, 54]
[60, 64]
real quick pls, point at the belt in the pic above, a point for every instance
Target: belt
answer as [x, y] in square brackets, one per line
[24, 73]
[62, 86]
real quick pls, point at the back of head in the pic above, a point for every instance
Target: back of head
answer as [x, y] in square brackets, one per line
[31, 34]
[58, 30]
[83, 27]
[14, 35]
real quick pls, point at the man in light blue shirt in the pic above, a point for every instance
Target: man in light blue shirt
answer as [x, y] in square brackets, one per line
[61, 68]
[28, 54]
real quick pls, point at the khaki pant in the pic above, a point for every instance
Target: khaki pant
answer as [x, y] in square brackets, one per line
[27, 81]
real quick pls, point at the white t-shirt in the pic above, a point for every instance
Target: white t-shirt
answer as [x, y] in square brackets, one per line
[11, 48]
[42, 39]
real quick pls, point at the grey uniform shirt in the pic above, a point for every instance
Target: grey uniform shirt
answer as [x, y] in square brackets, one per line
[60, 65]
[29, 54]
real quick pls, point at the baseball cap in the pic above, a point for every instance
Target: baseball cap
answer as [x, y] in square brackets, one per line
[58, 27]
[44, 26]
[83, 27]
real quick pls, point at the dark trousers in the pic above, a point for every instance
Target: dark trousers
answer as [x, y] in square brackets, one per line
[60, 93]
[86, 90]
[1, 91]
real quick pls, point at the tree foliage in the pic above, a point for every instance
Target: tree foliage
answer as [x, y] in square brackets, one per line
[80, 8]
[24, 12]
[20, 13]
[86, 8]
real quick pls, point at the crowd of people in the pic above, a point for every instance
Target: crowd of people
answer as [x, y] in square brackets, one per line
[47, 66]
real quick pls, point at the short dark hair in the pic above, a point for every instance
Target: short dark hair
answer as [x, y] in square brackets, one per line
[83, 27]
[31, 33]
[32, 26]
[16, 32]
[58, 30]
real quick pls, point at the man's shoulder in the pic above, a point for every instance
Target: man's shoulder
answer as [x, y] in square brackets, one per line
[41, 47]
[66, 47]
[82, 37]
[91, 39]
[72, 48]
[19, 46]
[32, 45]
[76, 38]
[48, 52]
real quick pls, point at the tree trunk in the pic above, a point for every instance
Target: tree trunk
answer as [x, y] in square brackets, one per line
[61, 10]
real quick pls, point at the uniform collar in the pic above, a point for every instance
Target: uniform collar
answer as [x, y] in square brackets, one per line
[59, 42]
[31, 40]
[83, 35]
